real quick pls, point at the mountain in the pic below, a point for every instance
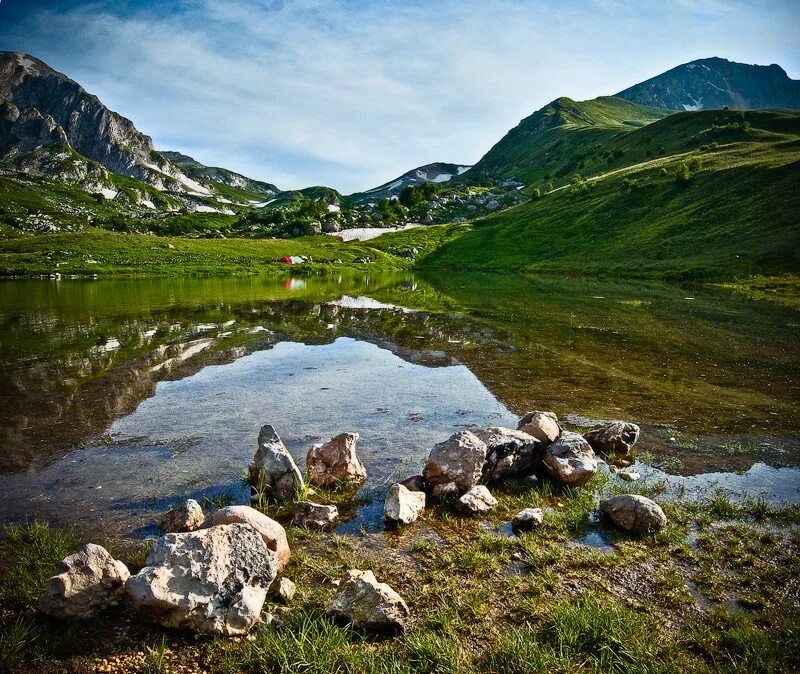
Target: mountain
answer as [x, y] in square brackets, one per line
[717, 83]
[438, 172]
[553, 141]
[221, 180]
[706, 194]
[50, 125]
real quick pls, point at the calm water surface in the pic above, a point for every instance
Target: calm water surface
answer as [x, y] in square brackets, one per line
[118, 398]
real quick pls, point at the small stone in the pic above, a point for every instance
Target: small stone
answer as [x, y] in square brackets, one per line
[185, 517]
[570, 460]
[315, 516]
[614, 437]
[365, 603]
[634, 513]
[286, 590]
[335, 462]
[90, 581]
[477, 501]
[629, 475]
[403, 506]
[528, 519]
[541, 425]
[458, 460]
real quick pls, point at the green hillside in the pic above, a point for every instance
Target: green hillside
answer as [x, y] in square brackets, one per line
[554, 140]
[734, 210]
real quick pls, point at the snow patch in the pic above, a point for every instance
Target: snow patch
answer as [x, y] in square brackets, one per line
[367, 233]
[108, 193]
[463, 169]
[28, 65]
[442, 178]
[362, 302]
[147, 204]
[334, 208]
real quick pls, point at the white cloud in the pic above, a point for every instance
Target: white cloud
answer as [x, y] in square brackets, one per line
[352, 94]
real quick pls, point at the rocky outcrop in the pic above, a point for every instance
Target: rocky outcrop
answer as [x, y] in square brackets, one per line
[477, 501]
[614, 437]
[273, 472]
[458, 461]
[212, 581]
[634, 513]
[272, 532]
[528, 519]
[365, 603]
[186, 517]
[541, 425]
[403, 506]
[29, 87]
[90, 581]
[570, 460]
[315, 516]
[335, 462]
[509, 453]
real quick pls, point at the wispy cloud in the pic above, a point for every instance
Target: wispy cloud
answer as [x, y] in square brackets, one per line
[351, 93]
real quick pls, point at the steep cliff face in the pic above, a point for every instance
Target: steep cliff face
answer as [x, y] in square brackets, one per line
[42, 108]
[717, 83]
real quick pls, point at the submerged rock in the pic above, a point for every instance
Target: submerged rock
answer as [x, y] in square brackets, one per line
[272, 532]
[212, 581]
[570, 460]
[541, 425]
[477, 501]
[634, 513]
[403, 505]
[90, 581]
[509, 453]
[528, 519]
[186, 517]
[335, 462]
[273, 471]
[458, 460]
[365, 603]
[315, 516]
[614, 437]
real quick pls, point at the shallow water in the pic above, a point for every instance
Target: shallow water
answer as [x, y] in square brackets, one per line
[118, 398]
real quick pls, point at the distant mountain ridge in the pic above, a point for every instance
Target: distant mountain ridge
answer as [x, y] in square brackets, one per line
[209, 175]
[717, 83]
[437, 172]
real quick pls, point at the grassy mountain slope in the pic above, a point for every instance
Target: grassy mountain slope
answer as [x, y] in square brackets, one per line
[737, 215]
[551, 142]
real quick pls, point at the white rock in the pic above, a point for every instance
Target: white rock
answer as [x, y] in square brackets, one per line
[403, 505]
[527, 519]
[365, 603]
[273, 471]
[286, 590]
[570, 460]
[212, 581]
[541, 425]
[186, 517]
[90, 580]
[477, 501]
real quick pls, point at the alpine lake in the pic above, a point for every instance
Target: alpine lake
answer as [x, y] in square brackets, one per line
[120, 398]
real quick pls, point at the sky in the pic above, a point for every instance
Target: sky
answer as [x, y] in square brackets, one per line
[352, 93]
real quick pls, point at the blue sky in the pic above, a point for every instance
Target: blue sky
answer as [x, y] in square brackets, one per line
[352, 93]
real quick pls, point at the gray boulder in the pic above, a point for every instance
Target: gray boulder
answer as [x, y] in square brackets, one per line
[365, 603]
[615, 437]
[541, 425]
[403, 506]
[570, 460]
[528, 519]
[509, 453]
[273, 471]
[90, 580]
[477, 501]
[315, 516]
[186, 517]
[458, 460]
[212, 581]
[335, 462]
[414, 483]
[634, 513]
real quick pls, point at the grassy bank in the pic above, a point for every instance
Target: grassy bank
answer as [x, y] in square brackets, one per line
[109, 254]
[716, 591]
